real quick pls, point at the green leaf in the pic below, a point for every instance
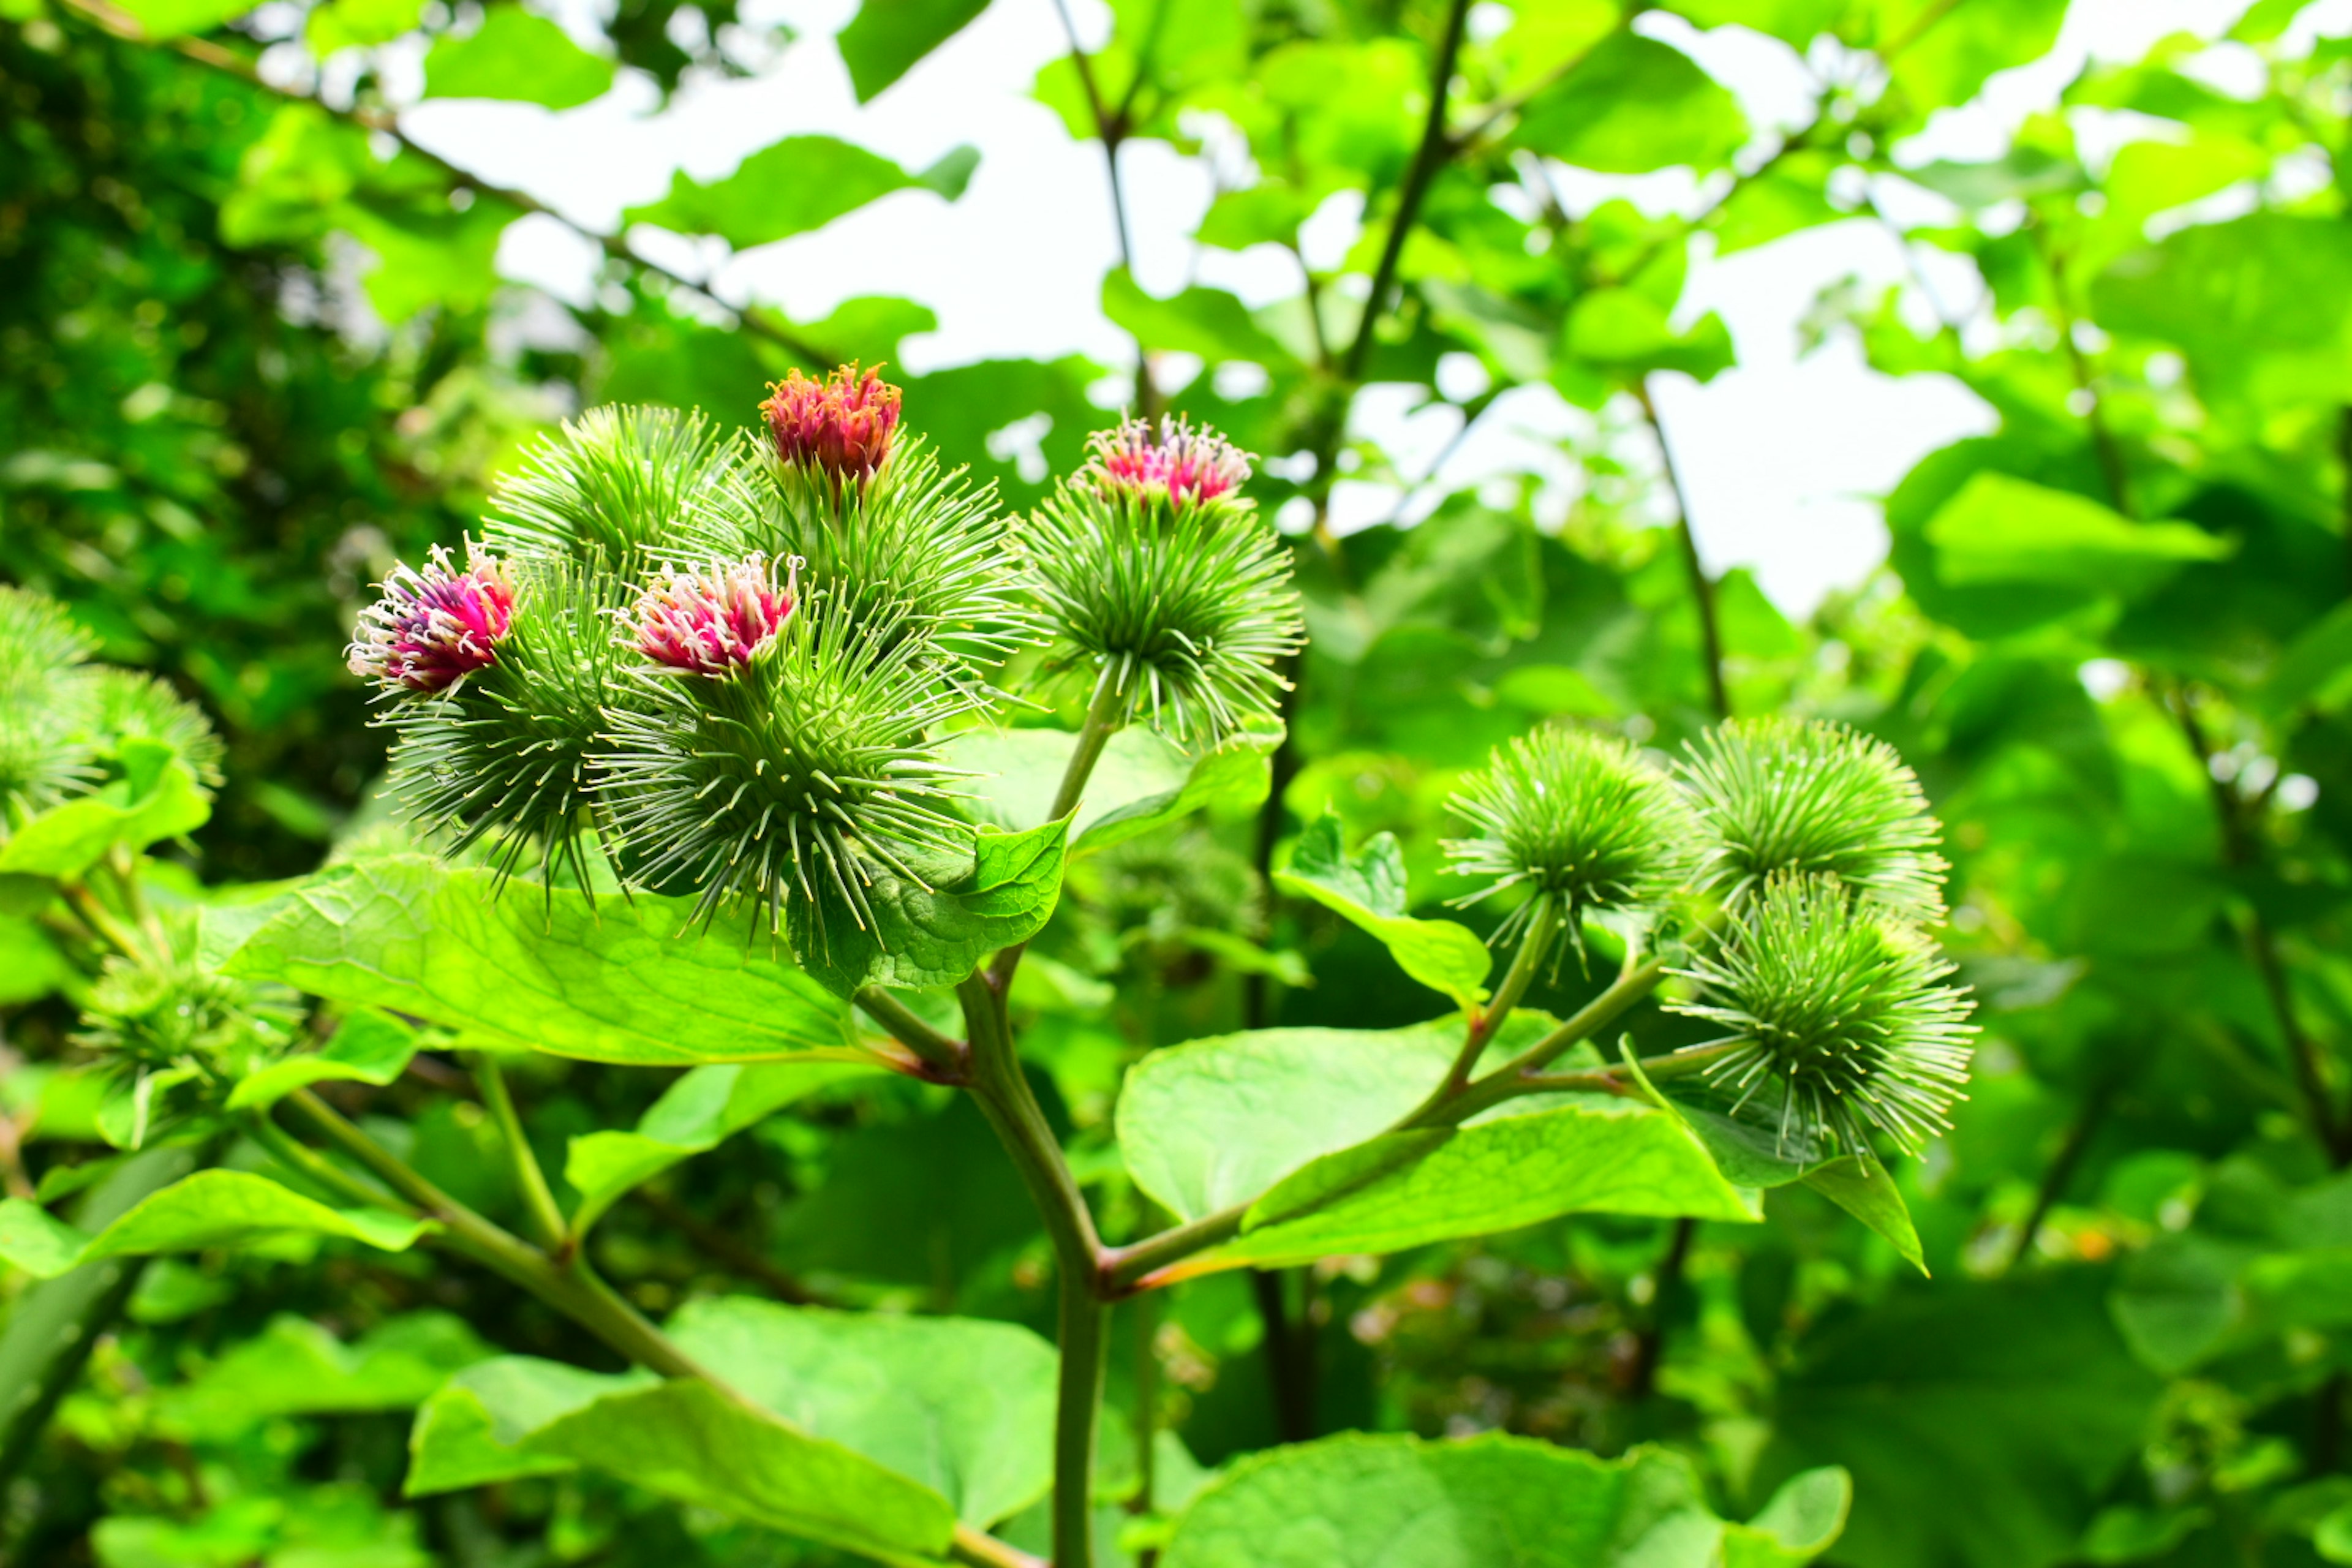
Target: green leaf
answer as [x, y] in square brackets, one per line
[799, 183]
[346, 23]
[160, 799]
[633, 982]
[1143, 781]
[1948, 51]
[1407, 1189]
[1209, 323]
[962, 1404]
[368, 1047]
[1368, 891]
[2262, 306]
[427, 252]
[2002, 530]
[177, 18]
[930, 936]
[683, 1441]
[30, 965]
[1862, 1188]
[1626, 332]
[1630, 105]
[887, 37]
[1393, 1502]
[295, 1367]
[697, 1112]
[2019, 1385]
[210, 1208]
[518, 55]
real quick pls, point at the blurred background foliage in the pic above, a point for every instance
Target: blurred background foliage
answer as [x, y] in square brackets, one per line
[254, 348]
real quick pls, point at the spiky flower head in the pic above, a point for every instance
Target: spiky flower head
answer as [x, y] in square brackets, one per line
[1183, 614]
[1838, 1008]
[1803, 795]
[842, 425]
[712, 621]
[1583, 818]
[433, 628]
[800, 779]
[503, 759]
[131, 705]
[46, 753]
[1180, 465]
[611, 488]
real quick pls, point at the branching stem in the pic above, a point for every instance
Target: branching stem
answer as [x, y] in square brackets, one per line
[539, 1200]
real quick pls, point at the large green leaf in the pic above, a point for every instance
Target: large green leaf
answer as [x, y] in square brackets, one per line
[962, 1404]
[516, 55]
[618, 981]
[1296, 1120]
[925, 936]
[799, 183]
[1941, 53]
[1634, 104]
[887, 37]
[368, 1047]
[210, 1208]
[1209, 323]
[176, 18]
[1982, 1421]
[159, 799]
[1393, 1502]
[1999, 530]
[684, 1440]
[1142, 781]
[696, 1113]
[1368, 891]
[295, 1367]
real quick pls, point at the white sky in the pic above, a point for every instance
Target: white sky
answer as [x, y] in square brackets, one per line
[1780, 456]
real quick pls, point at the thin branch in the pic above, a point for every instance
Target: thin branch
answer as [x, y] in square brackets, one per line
[1110, 130]
[539, 1199]
[1435, 148]
[122, 25]
[1710, 627]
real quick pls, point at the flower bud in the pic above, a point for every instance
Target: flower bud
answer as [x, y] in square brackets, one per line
[842, 425]
[435, 627]
[713, 621]
[1184, 464]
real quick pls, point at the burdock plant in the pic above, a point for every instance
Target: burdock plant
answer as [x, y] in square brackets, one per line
[838, 727]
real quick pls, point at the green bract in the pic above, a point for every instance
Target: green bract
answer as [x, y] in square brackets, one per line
[793, 778]
[613, 487]
[1798, 796]
[917, 548]
[502, 757]
[1583, 818]
[1181, 610]
[1839, 1012]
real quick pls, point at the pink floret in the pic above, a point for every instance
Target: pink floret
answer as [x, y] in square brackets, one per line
[712, 621]
[433, 628]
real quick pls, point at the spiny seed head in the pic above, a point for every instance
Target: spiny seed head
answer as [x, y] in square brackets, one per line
[504, 759]
[1800, 795]
[1839, 1008]
[796, 780]
[1182, 613]
[129, 705]
[1583, 818]
[712, 621]
[39, 641]
[433, 628]
[842, 425]
[1181, 465]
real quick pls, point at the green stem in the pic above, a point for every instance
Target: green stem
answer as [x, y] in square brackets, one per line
[1106, 716]
[1543, 929]
[1077, 1402]
[575, 1290]
[949, 1060]
[539, 1199]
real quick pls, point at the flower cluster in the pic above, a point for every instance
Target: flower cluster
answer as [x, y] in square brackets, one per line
[842, 425]
[1181, 465]
[712, 621]
[435, 627]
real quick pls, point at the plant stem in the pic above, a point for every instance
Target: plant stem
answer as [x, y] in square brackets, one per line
[951, 1059]
[539, 1199]
[1535, 945]
[1106, 716]
[1078, 1399]
[1435, 148]
[1289, 1353]
[1710, 626]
